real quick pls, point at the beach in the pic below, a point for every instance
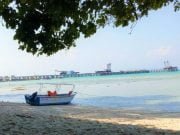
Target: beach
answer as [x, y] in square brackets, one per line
[139, 104]
[20, 118]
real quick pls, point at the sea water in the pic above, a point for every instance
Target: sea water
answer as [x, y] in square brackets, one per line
[153, 91]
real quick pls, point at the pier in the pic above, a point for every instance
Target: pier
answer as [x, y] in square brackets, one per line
[46, 77]
[68, 74]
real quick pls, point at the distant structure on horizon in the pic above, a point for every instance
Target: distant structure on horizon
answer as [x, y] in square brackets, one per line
[108, 67]
[71, 73]
[168, 67]
[68, 73]
[106, 71]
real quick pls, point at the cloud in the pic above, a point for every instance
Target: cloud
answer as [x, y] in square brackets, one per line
[160, 52]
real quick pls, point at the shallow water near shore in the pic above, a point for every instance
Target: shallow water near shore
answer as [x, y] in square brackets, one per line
[148, 91]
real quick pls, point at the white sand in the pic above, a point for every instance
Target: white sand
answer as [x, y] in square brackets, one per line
[17, 119]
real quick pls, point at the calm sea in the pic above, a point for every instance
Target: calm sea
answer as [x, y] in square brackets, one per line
[154, 91]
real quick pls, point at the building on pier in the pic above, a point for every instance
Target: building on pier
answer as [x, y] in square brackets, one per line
[168, 67]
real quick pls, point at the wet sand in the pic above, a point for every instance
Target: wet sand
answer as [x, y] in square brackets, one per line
[19, 118]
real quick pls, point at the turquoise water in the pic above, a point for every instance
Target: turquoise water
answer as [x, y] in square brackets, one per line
[155, 91]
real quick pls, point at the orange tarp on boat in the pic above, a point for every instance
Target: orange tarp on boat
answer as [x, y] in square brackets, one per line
[51, 93]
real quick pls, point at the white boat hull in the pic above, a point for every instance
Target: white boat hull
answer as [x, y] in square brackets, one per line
[50, 100]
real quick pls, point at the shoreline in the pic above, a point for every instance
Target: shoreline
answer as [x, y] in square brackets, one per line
[20, 118]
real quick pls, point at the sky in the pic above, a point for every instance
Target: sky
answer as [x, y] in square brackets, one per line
[153, 40]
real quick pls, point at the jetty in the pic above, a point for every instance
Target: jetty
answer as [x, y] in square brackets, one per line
[68, 74]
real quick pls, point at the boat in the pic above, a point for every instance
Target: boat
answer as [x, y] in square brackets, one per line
[52, 97]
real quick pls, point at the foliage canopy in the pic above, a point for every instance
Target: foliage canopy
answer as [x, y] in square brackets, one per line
[47, 26]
